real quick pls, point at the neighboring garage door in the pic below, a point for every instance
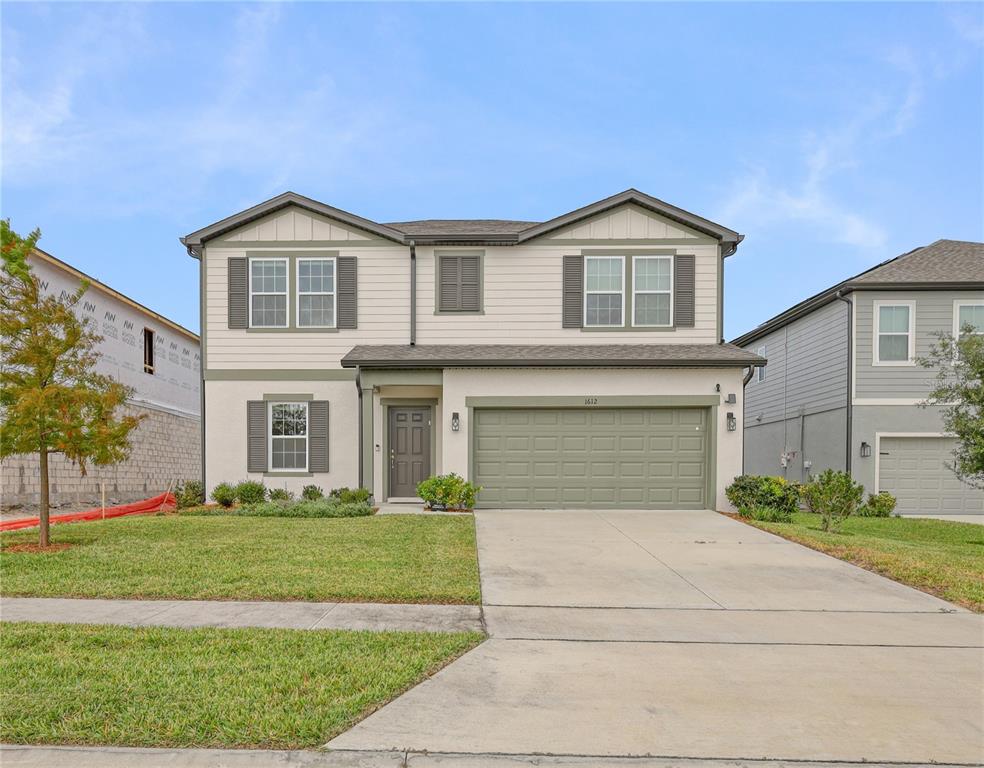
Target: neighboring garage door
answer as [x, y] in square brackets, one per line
[913, 470]
[642, 458]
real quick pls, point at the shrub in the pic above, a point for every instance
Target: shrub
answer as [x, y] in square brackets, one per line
[308, 509]
[189, 493]
[878, 505]
[224, 494]
[312, 492]
[281, 494]
[350, 495]
[834, 496]
[753, 492]
[449, 491]
[250, 492]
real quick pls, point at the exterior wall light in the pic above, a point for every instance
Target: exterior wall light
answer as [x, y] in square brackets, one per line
[455, 422]
[732, 422]
[865, 450]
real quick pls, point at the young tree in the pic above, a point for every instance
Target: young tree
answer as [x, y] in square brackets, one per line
[959, 390]
[51, 398]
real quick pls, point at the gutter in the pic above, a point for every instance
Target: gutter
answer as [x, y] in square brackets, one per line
[413, 293]
[850, 373]
[201, 368]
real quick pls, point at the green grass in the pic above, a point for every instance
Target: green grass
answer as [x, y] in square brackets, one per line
[157, 687]
[937, 556]
[388, 558]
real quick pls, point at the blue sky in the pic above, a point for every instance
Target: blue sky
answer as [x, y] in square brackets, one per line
[833, 136]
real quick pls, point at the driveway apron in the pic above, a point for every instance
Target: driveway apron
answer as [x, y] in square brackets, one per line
[687, 634]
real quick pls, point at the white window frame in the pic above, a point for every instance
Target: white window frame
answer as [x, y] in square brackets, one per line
[957, 304]
[636, 291]
[760, 371]
[584, 307]
[298, 294]
[285, 293]
[270, 436]
[876, 334]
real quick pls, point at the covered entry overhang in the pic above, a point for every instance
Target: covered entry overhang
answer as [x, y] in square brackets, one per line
[592, 426]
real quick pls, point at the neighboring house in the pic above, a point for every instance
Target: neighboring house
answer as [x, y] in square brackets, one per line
[144, 350]
[842, 388]
[576, 362]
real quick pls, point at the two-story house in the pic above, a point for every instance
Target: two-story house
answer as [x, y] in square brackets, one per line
[576, 362]
[843, 385]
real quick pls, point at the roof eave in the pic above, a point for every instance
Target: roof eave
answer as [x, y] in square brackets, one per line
[755, 361]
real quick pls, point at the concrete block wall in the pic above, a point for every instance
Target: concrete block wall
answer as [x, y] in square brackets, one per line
[166, 447]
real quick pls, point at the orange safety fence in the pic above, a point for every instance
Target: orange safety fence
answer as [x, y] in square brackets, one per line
[165, 502]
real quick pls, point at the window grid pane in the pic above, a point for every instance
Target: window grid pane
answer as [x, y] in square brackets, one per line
[316, 293]
[972, 315]
[652, 309]
[288, 436]
[268, 288]
[893, 347]
[893, 319]
[604, 274]
[652, 274]
[604, 309]
[603, 291]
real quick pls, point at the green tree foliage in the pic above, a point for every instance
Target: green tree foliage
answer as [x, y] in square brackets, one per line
[51, 399]
[959, 391]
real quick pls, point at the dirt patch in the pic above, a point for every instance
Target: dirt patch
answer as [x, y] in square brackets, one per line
[36, 549]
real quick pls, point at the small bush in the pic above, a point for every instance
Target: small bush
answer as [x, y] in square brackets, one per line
[834, 496]
[754, 494]
[448, 491]
[281, 494]
[767, 514]
[878, 505]
[312, 492]
[224, 495]
[250, 492]
[189, 493]
[350, 495]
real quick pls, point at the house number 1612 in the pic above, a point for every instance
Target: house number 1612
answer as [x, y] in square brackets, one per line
[591, 401]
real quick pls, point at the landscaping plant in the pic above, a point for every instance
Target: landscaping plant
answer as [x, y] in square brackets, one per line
[448, 492]
[51, 397]
[350, 495]
[189, 493]
[834, 496]
[250, 492]
[312, 492]
[281, 494]
[878, 505]
[224, 495]
[765, 498]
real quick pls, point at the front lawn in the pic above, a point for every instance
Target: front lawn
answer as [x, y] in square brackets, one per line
[165, 687]
[387, 558]
[937, 556]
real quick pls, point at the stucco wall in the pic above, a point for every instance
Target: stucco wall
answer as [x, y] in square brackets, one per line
[816, 438]
[472, 382]
[166, 447]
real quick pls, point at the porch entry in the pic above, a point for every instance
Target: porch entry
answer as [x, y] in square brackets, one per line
[409, 442]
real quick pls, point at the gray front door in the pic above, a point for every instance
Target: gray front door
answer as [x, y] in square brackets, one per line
[409, 449]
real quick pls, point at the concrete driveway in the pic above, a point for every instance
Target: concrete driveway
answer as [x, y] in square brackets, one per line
[689, 635]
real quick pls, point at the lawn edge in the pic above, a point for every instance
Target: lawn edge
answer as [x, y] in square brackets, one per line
[817, 546]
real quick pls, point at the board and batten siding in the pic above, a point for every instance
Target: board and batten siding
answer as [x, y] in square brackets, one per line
[933, 314]
[807, 368]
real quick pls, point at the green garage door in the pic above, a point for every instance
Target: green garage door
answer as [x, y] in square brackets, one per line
[913, 469]
[635, 458]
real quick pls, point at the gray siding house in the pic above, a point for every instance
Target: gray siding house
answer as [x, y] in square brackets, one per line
[842, 388]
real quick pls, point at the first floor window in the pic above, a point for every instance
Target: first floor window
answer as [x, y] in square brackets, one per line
[288, 436]
[315, 293]
[268, 293]
[603, 291]
[652, 289]
[893, 326]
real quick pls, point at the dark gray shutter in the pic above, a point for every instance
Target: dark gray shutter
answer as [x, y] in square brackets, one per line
[238, 292]
[470, 269]
[348, 285]
[318, 436]
[448, 283]
[256, 436]
[573, 287]
[683, 291]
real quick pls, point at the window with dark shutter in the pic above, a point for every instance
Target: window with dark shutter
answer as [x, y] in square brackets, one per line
[459, 283]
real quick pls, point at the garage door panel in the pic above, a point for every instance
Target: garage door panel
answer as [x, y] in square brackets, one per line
[631, 457]
[914, 470]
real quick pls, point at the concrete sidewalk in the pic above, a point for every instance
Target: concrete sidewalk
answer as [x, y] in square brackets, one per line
[215, 613]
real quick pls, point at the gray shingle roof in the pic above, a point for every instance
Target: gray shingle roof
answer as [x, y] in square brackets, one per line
[554, 355]
[461, 226]
[944, 264]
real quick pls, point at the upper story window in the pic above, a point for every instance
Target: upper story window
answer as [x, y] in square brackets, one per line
[268, 293]
[760, 371]
[459, 282]
[148, 344]
[604, 291]
[967, 315]
[894, 333]
[316, 293]
[288, 436]
[652, 291]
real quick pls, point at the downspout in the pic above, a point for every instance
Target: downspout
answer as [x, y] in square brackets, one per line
[744, 383]
[358, 388]
[413, 294]
[201, 332]
[850, 373]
